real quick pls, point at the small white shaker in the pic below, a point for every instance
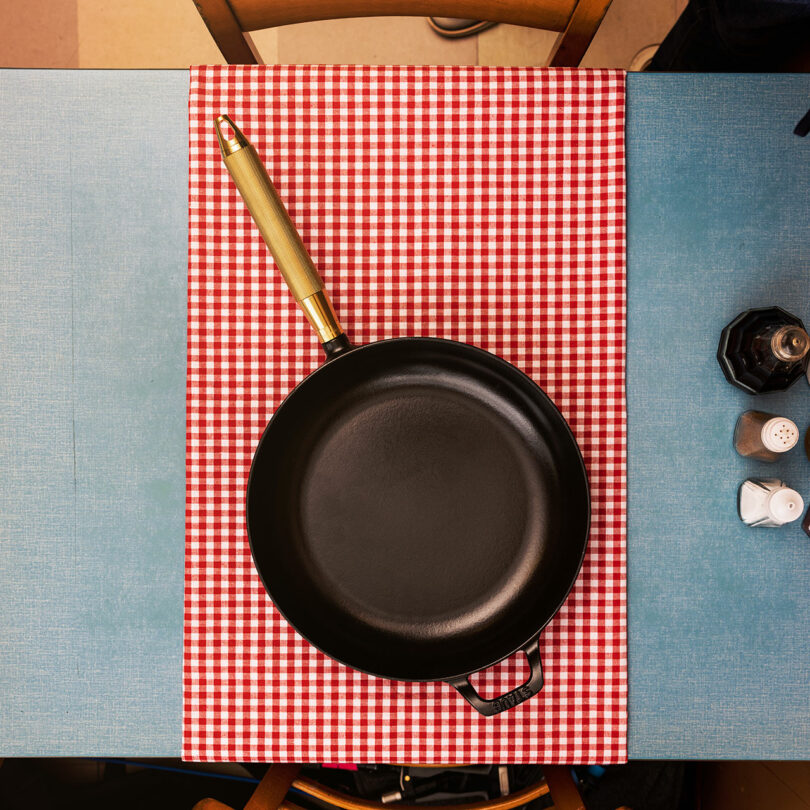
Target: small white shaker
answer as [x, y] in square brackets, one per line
[768, 502]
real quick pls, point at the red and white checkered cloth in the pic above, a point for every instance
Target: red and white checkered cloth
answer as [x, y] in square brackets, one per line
[485, 205]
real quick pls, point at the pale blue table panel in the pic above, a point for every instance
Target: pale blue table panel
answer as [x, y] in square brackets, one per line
[93, 261]
[92, 334]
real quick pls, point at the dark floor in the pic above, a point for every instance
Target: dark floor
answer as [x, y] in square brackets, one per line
[157, 784]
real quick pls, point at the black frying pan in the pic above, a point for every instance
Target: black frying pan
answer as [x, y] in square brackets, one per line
[417, 508]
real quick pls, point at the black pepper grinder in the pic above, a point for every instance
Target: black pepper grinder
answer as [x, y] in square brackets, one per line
[764, 350]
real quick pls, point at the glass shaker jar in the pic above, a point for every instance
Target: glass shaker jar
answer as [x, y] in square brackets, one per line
[764, 350]
[764, 436]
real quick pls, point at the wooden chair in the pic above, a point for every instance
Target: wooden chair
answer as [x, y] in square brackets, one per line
[230, 21]
[272, 790]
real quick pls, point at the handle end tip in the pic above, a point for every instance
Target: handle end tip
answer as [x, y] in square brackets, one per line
[229, 145]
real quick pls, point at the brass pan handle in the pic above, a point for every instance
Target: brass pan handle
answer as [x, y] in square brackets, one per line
[280, 235]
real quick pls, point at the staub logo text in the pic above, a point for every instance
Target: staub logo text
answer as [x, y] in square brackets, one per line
[512, 698]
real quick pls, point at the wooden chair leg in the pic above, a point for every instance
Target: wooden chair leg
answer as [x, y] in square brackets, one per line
[561, 786]
[234, 44]
[572, 43]
[210, 804]
[273, 788]
[269, 794]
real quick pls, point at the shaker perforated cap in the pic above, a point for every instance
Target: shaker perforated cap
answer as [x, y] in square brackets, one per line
[779, 434]
[785, 505]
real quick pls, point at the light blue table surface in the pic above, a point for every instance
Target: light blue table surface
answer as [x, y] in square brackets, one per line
[93, 172]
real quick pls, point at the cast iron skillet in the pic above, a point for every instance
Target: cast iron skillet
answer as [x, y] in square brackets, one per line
[417, 508]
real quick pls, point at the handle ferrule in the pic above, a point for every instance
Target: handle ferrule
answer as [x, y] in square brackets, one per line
[320, 313]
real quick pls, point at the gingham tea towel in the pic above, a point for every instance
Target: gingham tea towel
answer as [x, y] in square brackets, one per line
[485, 205]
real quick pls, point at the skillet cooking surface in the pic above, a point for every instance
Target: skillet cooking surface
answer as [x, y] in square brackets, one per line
[418, 509]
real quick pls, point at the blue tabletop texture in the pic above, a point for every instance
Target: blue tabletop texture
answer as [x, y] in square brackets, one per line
[718, 222]
[92, 339]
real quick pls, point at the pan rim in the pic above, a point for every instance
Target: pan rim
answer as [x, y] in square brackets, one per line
[509, 368]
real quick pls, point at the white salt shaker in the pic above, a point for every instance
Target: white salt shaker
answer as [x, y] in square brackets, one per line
[768, 502]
